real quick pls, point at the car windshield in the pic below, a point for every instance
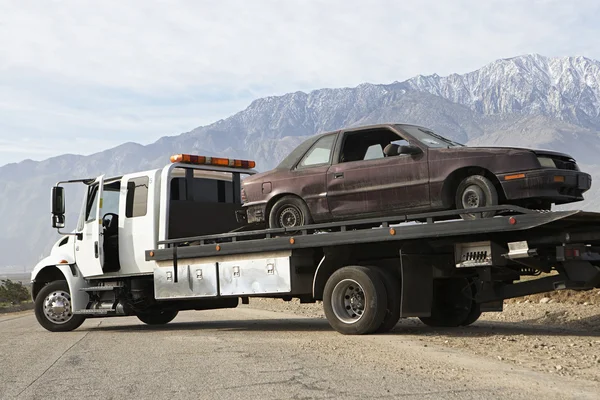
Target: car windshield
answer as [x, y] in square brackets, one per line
[428, 138]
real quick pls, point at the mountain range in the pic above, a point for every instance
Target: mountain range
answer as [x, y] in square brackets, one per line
[529, 101]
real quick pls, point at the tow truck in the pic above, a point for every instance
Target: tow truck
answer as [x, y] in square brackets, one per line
[152, 243]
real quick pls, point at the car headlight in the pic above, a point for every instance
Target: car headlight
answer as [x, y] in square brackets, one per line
[546, 162]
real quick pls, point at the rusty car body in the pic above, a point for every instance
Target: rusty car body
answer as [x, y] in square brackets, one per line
[391, 168]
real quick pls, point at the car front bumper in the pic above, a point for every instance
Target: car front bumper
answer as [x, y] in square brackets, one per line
[558, 186]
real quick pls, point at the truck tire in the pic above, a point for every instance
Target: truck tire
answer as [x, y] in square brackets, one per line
[53, 308]
[289, 212]
[157, 317]
[475, 312]
[476, 191]
[355, 300]
[393, 291]
[452, 304]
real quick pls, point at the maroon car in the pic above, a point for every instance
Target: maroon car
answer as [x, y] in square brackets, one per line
[392, 168]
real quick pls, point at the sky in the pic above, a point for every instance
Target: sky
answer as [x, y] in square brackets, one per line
[82, 76]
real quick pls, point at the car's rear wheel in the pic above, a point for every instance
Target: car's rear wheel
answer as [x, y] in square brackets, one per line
[473, 192]
[289, 212]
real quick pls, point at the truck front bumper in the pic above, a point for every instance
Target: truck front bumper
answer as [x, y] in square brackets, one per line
[558, 186]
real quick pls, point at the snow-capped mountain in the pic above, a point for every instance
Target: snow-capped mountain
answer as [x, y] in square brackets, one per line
[566, 88]
[529, 100]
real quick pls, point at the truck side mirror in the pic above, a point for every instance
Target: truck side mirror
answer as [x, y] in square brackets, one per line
[58, 207]
[58, 221]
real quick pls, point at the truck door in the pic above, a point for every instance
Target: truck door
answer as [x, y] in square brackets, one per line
[89, 245]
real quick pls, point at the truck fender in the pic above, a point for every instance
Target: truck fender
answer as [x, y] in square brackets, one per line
[327, 266]
[46, 271]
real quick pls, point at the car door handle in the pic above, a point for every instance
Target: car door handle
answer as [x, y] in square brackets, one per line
[338, 175]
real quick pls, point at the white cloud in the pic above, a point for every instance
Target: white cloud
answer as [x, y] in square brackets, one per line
[138, 70]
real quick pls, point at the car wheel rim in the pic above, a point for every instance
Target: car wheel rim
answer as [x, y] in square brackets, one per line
[348, 301]
[290, 217]
[57, 307]
[473, 197]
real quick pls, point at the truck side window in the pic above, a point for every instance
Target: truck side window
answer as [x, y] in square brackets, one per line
[92, 204]
[136, 204]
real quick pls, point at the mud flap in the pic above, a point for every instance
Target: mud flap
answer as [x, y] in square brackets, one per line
[417, 286]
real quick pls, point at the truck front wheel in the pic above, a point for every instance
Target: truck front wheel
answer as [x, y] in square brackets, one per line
[157, 317]
[355, 300]
[53, 308]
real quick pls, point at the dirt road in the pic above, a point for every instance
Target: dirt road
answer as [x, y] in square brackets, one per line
[248, 353]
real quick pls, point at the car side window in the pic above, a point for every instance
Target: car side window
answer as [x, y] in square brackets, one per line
[319, 154]
[368, 145]
[374, 152]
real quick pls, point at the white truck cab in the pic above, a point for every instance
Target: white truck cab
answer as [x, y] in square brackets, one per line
[120, 218]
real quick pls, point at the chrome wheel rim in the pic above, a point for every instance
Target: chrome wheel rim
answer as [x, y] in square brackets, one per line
[472, 197]
[57, 307]
[348, 301]
[290, 217]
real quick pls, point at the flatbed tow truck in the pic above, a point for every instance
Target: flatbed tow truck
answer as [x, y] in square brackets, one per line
[156, 242]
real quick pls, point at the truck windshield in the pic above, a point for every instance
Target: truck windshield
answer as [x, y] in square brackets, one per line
[429, 138]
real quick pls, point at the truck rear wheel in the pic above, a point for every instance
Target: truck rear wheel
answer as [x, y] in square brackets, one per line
[453, 304]
[53, 308]
[157, 316]
[393, 290]
[355, 300]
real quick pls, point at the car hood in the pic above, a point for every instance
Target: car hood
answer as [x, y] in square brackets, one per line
[539, 152]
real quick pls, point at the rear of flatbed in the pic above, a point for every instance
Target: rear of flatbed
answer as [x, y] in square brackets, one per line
[371, 272]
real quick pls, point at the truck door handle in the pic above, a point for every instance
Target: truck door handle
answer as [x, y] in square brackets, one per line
[96, 249]
[338, 175]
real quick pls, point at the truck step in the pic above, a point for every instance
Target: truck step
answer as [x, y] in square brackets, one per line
[94, 311]
[99, 288]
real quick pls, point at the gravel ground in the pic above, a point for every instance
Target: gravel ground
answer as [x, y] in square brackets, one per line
[550, 337]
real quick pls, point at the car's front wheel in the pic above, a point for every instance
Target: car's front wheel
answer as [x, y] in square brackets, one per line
[473, 192]
[289, 212]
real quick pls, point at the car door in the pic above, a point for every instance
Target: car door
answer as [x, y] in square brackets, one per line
[89, 246]
[375, 185]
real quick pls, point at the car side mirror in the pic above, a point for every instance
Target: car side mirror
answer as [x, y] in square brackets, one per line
[393, 149]
[58, 207]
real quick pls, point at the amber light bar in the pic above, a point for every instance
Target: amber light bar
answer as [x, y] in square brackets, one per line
[203, 160]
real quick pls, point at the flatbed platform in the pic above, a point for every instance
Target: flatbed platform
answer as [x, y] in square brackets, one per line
[514, 223]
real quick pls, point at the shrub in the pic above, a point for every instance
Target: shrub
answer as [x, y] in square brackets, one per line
[13, 292]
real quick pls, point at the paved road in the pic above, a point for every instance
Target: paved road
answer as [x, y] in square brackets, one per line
[250, 354]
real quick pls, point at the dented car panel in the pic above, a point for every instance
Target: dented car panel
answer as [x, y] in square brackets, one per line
[351, 177]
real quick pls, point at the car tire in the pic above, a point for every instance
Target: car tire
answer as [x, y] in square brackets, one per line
[355, 300]
[473, 192]
[289, 212]
[59, 318]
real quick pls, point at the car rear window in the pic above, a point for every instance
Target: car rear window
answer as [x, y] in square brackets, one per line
[298, 152]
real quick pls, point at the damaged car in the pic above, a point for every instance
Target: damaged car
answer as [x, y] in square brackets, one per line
[380, 170]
